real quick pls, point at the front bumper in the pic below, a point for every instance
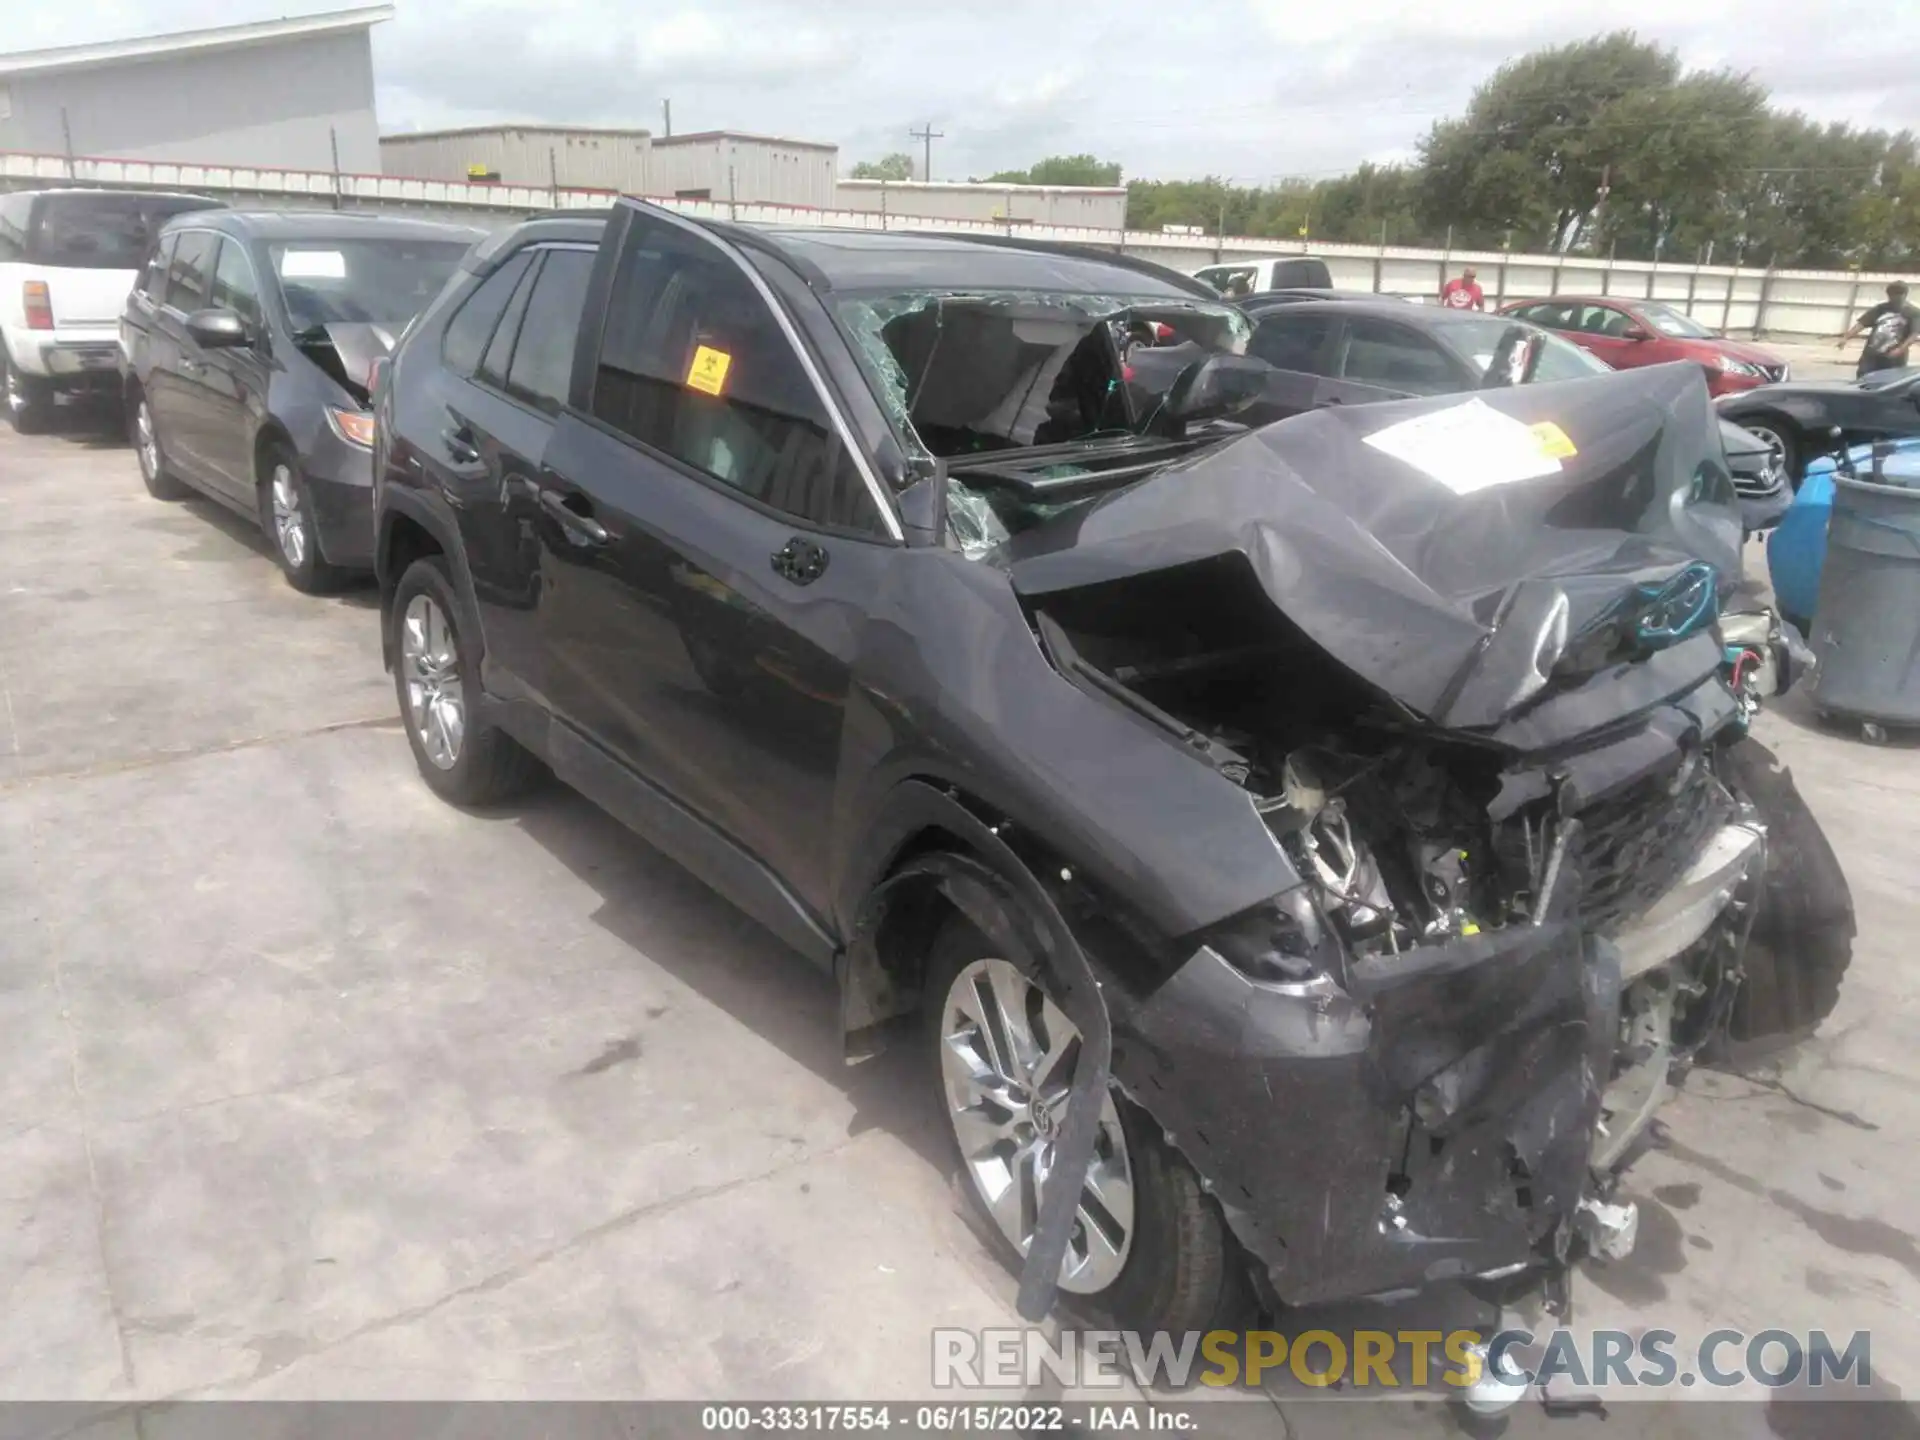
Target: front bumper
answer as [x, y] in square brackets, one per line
[1438, 1115]
[339, 479]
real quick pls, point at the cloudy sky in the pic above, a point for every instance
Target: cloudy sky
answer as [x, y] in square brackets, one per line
[1254, 89]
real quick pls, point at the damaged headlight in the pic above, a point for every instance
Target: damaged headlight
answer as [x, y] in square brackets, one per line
[1283, 941]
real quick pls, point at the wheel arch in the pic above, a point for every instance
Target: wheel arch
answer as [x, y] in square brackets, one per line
[935, 852]
[410, 528]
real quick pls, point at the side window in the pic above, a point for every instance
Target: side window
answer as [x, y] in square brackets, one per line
[493, 365]
[1379, 353]
[543, 355]
[233, 286]
[152, 281]
[1292, 342]
[472, 325]
[695, 365]
[191, 269]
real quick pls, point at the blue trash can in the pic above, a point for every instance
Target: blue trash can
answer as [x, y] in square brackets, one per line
[1866, 629]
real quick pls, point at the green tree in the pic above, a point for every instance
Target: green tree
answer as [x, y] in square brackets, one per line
[1062, 170]
[897, 166]
[1547, 131]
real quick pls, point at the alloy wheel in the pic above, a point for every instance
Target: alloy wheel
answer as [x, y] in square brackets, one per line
[1776, 450]
[436, 704]
[145, 441]
[289, 521]
[1007, 1058]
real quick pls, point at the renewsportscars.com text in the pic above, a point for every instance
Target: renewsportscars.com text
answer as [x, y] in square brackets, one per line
[1396, 1359]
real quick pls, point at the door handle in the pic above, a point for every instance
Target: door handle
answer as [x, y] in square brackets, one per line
[191, 365]
[579, 524]
[800, 560]
[460, 447]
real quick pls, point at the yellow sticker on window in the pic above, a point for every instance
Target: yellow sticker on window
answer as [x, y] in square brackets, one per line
[1553, 440]
[708, 372]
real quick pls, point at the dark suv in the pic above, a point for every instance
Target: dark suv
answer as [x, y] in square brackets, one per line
[249, 343]
[1303, 854]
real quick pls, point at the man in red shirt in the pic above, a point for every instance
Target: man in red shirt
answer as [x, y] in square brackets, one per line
[1464, 293]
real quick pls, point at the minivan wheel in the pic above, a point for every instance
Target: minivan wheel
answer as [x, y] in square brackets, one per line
[29, 402]
[1148, 1246]
[461, 757]
[1783, 446]
[286, 514]
[145, 435]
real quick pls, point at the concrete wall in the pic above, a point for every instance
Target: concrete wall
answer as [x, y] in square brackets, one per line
[271, 104]
[1786, 303]
[525, 155]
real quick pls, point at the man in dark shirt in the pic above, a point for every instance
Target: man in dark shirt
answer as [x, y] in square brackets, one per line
[1890, 328]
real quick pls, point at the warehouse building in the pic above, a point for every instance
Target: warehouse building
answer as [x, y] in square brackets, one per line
[1098, 206]
[573, 156]
[283, 94]
[728, 165]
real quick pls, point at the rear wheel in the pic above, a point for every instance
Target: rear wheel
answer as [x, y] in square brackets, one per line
[29, 399]
[143, 431]
[1148, 1245]
[461, 758]
[1802, 939]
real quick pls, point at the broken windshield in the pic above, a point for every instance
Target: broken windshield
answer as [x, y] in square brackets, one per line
[964, 373]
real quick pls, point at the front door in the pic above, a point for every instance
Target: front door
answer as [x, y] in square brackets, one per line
[711, 546]
[233, 381]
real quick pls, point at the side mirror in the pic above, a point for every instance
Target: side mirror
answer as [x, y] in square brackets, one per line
[1216, 386]
[1636, 332]
[218, 329]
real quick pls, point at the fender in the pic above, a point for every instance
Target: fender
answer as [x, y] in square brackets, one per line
[999, 895]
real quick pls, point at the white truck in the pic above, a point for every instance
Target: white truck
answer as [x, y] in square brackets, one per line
[67, 260]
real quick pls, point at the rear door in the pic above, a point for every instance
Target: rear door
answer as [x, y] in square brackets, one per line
[711, 541]
[482, 449]
[173, 386]
[1303, 344]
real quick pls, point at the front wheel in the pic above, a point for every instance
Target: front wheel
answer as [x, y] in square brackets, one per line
[1802, 938]
[1148, 1246]
[461, 758]
[1783, 446]
[286, 514]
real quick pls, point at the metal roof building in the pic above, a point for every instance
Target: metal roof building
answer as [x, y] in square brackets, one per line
[281, 93]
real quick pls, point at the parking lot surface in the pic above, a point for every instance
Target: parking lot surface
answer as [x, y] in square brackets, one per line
[317, 1087]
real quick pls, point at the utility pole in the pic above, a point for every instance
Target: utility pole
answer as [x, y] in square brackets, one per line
[666, 117]
[926, 135]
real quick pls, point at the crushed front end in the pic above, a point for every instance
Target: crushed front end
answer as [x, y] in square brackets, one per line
[1525, 879]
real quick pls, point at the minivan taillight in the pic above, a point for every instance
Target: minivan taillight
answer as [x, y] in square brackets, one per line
[39, 305]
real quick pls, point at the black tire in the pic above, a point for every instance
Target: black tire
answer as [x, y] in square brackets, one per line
[1184, 1270]
[158, 477]
[1802, 939]
[28, 399]
[300, 560]
[490, 766]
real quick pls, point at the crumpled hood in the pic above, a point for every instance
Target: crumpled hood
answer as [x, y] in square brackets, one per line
[1429, 579]
[358, 346]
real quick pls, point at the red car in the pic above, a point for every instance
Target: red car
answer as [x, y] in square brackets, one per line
[1626, 333]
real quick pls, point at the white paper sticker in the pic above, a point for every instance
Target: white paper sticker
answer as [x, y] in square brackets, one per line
[313, 265]
[1467, 447]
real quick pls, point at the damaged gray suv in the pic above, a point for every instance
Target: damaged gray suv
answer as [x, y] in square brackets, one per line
[1304, 856]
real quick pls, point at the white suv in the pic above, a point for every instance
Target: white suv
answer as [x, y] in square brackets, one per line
[67, 261]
